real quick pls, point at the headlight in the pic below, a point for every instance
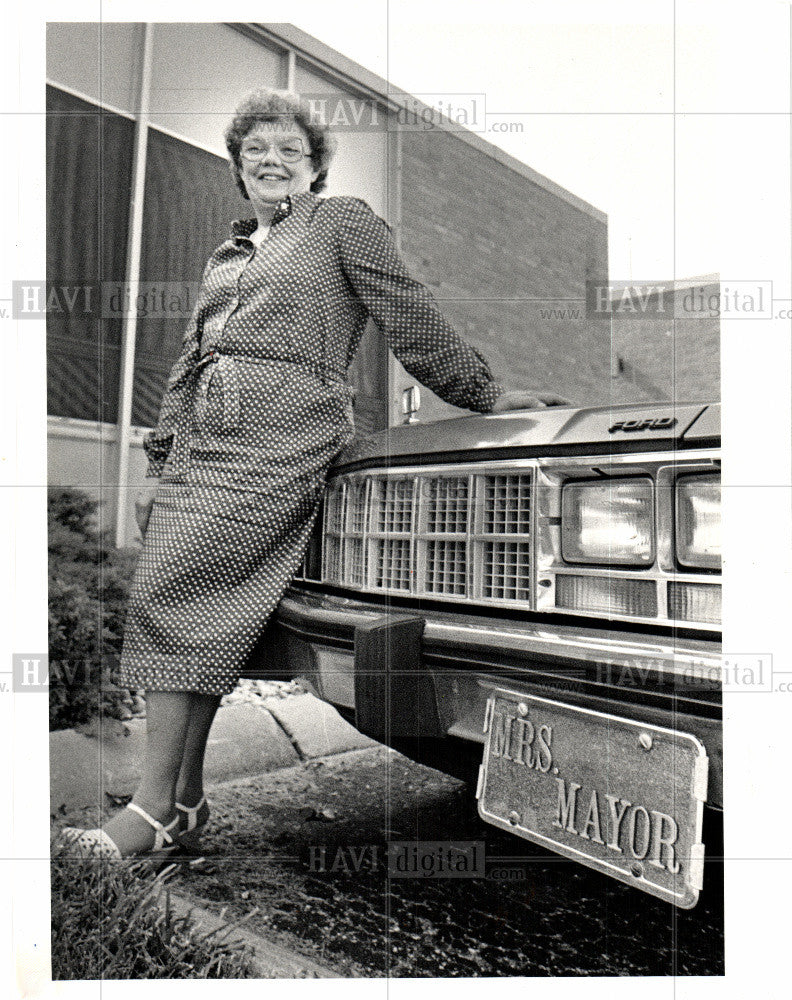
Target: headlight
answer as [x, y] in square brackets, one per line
[608, 522]
[698, 522]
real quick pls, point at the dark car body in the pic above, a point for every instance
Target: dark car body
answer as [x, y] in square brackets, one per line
[439, 609]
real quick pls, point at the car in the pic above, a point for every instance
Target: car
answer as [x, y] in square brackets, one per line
[535, 595]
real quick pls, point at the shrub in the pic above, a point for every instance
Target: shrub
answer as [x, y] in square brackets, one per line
[108, 923]
[89, 583]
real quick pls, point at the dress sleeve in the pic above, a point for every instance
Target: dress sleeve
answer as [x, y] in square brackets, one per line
[407, 314]
[157, 443]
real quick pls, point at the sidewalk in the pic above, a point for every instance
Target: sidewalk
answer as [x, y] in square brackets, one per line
[246, 739]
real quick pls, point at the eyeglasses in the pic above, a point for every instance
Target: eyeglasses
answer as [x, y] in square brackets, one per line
[288, 150]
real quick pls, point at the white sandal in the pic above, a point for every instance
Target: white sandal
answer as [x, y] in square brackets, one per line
[97, 843]
[189, 828]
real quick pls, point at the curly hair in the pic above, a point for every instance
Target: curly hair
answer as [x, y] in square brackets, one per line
[268, 105]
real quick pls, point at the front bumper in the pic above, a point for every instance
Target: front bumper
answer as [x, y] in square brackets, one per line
[424, 672]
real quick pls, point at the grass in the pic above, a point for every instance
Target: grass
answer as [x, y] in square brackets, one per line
[113, 920]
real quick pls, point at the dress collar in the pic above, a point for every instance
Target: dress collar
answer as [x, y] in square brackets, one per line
[298, 205]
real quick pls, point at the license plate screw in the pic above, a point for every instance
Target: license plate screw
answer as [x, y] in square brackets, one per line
[645, 740]
[514, 818]
[637, 870]
[522, 708]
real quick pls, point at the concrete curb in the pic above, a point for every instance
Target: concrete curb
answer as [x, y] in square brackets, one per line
[247, 738]
[314, 727]
[272, 961]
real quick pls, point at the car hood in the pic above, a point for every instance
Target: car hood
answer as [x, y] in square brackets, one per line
[554, 430]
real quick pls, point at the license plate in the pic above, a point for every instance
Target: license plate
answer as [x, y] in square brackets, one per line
[623, 797]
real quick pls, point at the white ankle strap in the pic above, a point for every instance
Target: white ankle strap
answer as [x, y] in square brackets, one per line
[195, 808]
[191, 809]
[192, 813]
[160, 829]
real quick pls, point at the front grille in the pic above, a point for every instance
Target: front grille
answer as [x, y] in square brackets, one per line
[393, 563]
[447, 504]
[491, 535]
[393, 505]
[446, 566]
[356, 499]
[507, 568]
[459, 537]
[507, 504]
[356, 562]
[334, 563]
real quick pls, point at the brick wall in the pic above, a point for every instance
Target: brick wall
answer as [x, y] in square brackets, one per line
[497, 249]
[679, 356]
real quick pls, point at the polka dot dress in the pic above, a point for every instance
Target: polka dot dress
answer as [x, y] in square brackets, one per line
[256, 409]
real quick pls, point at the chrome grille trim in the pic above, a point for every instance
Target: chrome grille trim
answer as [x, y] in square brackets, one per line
[430, 533]
[393, 505]
[487, 532]
[447, 505]
[446, 566]
[507, 570]
[393, 562]
[507, 504]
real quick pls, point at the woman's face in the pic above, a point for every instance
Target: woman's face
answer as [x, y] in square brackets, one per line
[267, 167]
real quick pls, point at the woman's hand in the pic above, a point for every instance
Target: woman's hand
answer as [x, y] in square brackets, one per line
[143, 504]
[524, 400]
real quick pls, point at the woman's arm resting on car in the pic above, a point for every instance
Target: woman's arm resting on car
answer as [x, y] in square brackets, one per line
[417, 332]
[518, 399]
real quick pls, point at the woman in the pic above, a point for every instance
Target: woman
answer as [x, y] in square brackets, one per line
[256, 409]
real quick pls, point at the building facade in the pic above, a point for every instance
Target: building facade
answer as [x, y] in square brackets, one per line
[666, 339]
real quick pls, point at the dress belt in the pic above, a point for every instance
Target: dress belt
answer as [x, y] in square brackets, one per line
[226, 366]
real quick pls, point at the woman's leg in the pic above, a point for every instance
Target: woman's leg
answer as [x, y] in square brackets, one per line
[167, 723]
[189, 787]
